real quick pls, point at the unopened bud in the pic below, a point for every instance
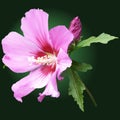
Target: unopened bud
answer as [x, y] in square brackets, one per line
[76, 28]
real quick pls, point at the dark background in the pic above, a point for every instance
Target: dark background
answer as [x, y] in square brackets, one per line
[97, 16]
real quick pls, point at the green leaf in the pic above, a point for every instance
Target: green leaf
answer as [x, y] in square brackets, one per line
[82, 67]
[102, 38]
[76, 88]
[4, 66]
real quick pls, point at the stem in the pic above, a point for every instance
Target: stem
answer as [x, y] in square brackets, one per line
[91, 96]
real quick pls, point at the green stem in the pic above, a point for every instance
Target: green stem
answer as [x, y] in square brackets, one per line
[91, 96]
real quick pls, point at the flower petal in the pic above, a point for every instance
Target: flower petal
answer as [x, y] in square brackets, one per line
[51, 89]
[61, 37]
[64, 62]
[18, 64]
[36, 79]
[17, 50]
[35, 27]
[14, 43]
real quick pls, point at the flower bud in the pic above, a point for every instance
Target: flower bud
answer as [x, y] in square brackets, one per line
[76, 28]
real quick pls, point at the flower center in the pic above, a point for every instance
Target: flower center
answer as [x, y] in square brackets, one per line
[48, 59]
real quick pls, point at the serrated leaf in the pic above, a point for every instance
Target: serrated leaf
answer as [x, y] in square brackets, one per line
[82, 67]
[102, 38]
[76, 88]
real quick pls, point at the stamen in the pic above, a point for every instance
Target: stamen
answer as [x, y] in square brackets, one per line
[48, 59]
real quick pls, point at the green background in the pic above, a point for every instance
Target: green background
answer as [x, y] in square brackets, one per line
[103, 81]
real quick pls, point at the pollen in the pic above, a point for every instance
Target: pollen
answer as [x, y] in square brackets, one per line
[48, 59]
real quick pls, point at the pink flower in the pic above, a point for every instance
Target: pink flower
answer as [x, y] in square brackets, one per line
[76, 28]
[41, 52]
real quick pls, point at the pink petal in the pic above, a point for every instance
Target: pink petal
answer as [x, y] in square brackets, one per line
[61, 37]
[36, 79]
[35, 27]
[18, 64]
[64, 62]
[17, 50]
[51, 89]
[14, 43]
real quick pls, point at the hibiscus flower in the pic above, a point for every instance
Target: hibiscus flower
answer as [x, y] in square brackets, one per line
[40, 51]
